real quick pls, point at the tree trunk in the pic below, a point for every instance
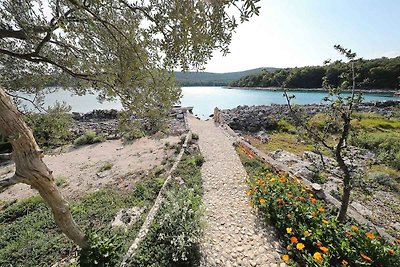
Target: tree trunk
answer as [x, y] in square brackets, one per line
[346, 189]
[31, 170]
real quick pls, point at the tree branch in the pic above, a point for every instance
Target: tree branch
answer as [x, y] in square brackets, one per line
[19, 34]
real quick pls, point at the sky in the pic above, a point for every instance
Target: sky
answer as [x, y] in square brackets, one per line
[290, 33]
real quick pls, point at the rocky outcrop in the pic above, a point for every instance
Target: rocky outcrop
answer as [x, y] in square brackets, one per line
[254, 119]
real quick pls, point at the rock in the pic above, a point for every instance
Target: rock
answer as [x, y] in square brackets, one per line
[361, 209]
[125, 218]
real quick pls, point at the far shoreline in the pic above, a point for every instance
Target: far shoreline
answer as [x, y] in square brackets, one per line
[371, 91]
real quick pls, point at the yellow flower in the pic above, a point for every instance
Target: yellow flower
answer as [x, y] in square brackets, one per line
[250, 203]
[390, 251]
[370, 235]
[325, 221]
[306, 233]
[272, 180]
[288, 230]
[285, 257]
[354, 228]
[318, 257]
[262, 201]
[289, 216]
[300, 246]
[249, 193]
[324, 249]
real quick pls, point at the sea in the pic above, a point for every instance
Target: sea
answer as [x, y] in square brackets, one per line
[205, 99]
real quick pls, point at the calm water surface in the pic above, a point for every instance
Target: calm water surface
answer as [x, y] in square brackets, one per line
[204, 99]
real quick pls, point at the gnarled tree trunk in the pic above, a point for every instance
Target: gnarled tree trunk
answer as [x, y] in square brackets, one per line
[31, 170]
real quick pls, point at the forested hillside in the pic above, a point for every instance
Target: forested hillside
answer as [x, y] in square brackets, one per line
[214, 79]
[382, 73]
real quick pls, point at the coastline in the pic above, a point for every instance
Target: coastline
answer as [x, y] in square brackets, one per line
[371, 91]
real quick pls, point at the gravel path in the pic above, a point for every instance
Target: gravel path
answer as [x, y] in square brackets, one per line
[234, 236]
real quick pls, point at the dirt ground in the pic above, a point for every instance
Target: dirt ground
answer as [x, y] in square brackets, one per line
[79, 171]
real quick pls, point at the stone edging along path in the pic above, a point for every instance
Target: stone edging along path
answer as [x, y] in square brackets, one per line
[156, 206]
[234, 236]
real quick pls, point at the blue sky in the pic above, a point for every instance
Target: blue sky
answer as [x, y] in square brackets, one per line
[292, 33]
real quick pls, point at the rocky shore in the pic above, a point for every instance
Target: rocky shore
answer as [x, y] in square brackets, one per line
[105, 122]
[253, 119]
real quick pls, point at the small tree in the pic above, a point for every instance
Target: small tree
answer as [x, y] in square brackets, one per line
[119, 48]
[336, 125]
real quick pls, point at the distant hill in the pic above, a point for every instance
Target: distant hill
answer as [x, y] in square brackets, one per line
[192, 78]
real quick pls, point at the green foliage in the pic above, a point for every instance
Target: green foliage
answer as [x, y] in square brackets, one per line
[309, 229]
[89, 137]
[29, 236]
[285, 126]
[195, 136]
[379, 73]
[102, 252]
[385, 144]
[51, 129]
[174, 238]
[106, 166]
[61, 180]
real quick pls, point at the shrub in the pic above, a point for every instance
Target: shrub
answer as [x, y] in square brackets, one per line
[51, 129]
[61, 180]
[89, 137]
[106, 166]
[195, 136]
[309, 229]
[385, 144]
[102, 251]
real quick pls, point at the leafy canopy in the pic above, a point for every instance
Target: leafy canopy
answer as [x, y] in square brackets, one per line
[120, 48]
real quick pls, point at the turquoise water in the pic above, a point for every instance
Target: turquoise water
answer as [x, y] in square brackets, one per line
[204, 99]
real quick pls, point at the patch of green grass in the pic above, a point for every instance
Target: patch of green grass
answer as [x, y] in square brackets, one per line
[29, 236]
[106, 166]
[375, 122]
[89, 137]
[288, 142]
[61, 181]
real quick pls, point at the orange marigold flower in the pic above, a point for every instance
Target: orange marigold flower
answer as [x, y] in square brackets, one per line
[319, 244]
[325, 221]
[289, 216]
[354, 228]
[282, 179]
[344, 262]
[300, 246]
[262, 201]
[301, 198]
[293, 239]
[366, 258]
[288, 230]
[324, 249]
[313, 200]
[321, 209]
[285, 257]
[290, 196]
[280, 201]
[318, 257]
[398, 241]
[370, 235]
[390, 251]
[280, 206]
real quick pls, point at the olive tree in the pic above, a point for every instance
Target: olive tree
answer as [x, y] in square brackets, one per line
[336, 125]
[125, 49]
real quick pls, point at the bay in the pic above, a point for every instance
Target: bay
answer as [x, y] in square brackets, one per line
[205, 99]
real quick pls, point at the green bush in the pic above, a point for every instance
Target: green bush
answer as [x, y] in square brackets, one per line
[309, 229]
[174, 238]
[51, 129]
[385, 144]
[102, 251]
[89, 137]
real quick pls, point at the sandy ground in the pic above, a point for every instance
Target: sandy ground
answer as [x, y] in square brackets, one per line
[80, 167]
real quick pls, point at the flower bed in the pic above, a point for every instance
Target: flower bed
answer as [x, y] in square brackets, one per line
[308, 228]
